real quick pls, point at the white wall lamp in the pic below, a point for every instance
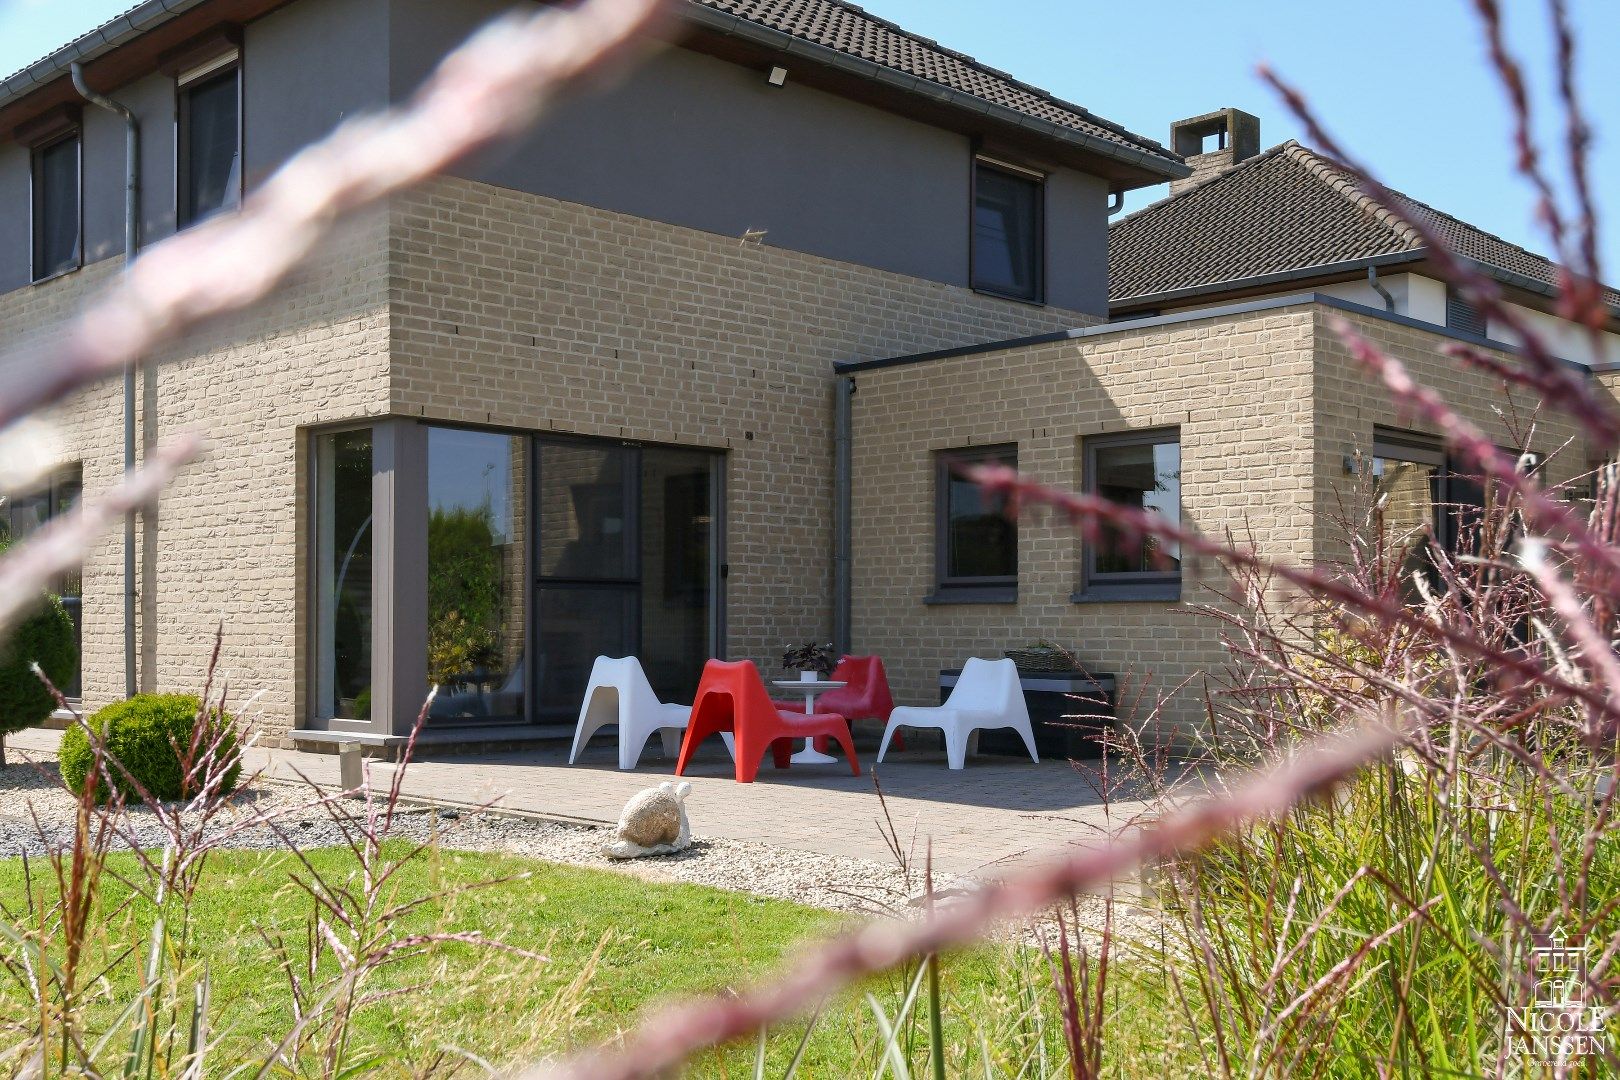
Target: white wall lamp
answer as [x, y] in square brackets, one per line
[778, 76]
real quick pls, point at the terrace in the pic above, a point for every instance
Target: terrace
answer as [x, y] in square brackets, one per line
[981, 821]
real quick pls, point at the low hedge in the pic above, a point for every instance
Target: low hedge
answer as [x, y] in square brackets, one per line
[148, 734]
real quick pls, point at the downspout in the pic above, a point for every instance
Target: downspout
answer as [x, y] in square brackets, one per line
[843, 468]
[1372, 279]
[132, 206]
[1116, 201]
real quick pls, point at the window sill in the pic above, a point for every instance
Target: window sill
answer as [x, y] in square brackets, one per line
[1167, 593]
[58, 274]
[1039, 302]
[989, 595]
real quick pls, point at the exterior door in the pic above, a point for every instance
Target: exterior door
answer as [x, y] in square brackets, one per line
[626, 564]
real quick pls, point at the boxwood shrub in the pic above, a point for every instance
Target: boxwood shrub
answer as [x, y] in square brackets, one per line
[148, 734]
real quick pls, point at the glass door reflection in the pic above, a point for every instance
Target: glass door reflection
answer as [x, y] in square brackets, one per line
[625, 566]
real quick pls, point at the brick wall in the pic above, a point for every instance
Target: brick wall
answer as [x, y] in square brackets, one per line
[1350, 404]
[500, 308]
[1268, 405]
[534, 314]
[1237, 388]
[223, 544]
[476, 304]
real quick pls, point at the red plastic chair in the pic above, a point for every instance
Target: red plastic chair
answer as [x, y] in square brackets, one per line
[732, 697]
[866, 697]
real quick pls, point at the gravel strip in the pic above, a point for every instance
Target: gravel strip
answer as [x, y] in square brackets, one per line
[37, 815]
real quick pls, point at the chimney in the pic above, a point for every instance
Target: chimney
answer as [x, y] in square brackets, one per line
[1213, 143]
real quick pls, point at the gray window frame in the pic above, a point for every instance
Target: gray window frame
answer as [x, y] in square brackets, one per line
[949, 589]
[184, 213]
[1038, 296]
[1449, 493]
[719, 565]
[76, 133]
[400, 566]
[1132, 586]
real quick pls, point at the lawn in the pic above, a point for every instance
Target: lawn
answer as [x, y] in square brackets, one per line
[615, 943]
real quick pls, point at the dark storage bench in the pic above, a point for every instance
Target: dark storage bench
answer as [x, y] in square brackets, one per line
[1067, 710]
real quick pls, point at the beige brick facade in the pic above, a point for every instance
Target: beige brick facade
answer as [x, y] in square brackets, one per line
[1239, 391]
[478, 305]
[1268, 405]
[528, 313]
[1349, 405]
[223, 545]
[473, 304]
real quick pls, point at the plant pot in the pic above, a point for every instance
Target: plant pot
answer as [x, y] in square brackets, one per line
[809, 676]
[1040, 659]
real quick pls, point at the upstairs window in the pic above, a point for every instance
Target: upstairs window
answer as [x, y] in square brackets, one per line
[209, 141]
[976, 541]
[1009, 251]
[56, 223]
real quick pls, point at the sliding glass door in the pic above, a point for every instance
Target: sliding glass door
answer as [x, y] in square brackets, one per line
[625, 564]
[678, 513]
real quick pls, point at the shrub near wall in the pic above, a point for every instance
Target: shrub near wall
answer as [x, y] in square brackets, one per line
[45, 638]
[148, 735]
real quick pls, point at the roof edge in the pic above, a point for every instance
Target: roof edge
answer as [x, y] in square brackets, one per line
[1162, 164]
[145, 17]
[1341, 182]
[1269, 303]
[1279, 277]
[1516, 280]
[89, 46]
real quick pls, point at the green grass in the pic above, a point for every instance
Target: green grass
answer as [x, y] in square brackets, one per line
[615, 943]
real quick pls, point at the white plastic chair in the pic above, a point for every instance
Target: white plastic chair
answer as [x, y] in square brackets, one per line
[619, 693]
[986, 695]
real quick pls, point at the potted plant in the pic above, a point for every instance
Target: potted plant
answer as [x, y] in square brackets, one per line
[810, 660]
[1042, 655]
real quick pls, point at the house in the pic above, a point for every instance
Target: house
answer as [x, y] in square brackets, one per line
[577, 398]
[1219, 394]
[685, 372]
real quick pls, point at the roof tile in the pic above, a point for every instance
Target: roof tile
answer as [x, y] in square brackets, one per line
[1286, 209]
[850, 30]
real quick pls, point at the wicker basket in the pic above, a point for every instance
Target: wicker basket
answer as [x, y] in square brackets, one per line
[1040, 659]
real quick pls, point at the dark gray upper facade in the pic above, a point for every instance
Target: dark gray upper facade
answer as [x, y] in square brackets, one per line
[304, 68]
[688, 139]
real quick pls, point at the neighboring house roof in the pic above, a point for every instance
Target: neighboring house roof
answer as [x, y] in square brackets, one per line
[1285, 212]
[850, 30]
[867, 48]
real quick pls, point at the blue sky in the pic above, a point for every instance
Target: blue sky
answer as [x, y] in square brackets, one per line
[1403, 83]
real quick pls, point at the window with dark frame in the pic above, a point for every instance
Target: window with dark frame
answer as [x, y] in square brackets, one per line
[209, 144]
[1424, 490]
[1009, 251]
[1141, 470]
[57, 212]
[976, 541]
